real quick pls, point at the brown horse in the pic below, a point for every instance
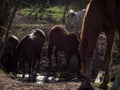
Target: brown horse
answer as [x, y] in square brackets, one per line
[100, 16]
[65, 41]
[29, 50]
[10, 47]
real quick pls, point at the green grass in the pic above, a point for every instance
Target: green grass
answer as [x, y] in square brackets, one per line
[25, 11]
[55, 12]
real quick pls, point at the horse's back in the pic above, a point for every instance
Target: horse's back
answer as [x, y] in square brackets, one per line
[58, 30]
[31, 43]
[12, 42]
[58, 36]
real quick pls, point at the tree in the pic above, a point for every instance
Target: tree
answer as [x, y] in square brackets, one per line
[5, 9]
[6, 18]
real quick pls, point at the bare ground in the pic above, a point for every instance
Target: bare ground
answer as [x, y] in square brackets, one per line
[7, 83]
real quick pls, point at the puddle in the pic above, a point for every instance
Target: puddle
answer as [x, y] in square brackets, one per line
[20, 75]
[41, 78]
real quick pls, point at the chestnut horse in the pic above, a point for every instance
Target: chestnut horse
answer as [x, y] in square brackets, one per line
[100, 16]
[29, 50]
[65, 41]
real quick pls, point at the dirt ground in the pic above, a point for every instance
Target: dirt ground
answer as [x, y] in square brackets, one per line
[7, 83]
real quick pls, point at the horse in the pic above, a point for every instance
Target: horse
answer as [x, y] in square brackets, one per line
[100, 16]
[73, 21]
[10, 47]
[29, 51]
[63, 40]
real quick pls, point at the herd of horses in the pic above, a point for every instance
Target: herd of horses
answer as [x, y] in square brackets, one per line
[27, 51]
[100, 16]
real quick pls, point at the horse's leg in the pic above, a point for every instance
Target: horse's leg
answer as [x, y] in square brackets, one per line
[30, 67]
[23, 66]
[33, 63]
[110, 39]
[68, 57]
[86, 65]
[79, 62]
[36, 64]
[20, 66]
[87, 47]
[50, 49]
[56, 57]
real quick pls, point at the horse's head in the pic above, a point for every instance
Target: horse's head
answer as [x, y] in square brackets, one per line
[70, 20]
[74, 40]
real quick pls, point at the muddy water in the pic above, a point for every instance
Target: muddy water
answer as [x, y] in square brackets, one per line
[39, 79]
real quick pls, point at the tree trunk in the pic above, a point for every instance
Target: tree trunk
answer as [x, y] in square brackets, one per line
[67, 2]
[6, 24]
[5, 9]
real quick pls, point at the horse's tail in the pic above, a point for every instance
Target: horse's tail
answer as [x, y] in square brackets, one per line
[50, 50]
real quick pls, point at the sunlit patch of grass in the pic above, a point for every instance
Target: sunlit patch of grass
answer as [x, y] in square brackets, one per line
[25, 11]
[55, 12]
[26, 25]
[55, 9]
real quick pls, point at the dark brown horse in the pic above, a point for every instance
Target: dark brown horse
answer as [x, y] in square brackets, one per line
[29, 50]
[65, 41]
[101, 16]
[10, 47]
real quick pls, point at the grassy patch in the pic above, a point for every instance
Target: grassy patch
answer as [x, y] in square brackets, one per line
[55, 12]
[25, 11]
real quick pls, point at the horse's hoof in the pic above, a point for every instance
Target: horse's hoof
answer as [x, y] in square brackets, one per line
[86, 88]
